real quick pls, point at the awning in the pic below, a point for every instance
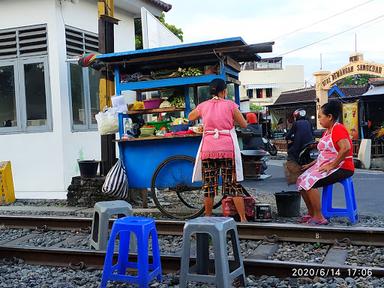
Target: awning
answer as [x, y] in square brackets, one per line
[235, 47]
[374, 90]
[261, 86]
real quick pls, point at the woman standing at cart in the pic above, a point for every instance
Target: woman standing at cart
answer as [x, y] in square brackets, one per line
[219, 150]
[334, 163]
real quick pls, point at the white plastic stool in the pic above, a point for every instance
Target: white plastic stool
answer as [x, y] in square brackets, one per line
[217, 228]
[100, 224]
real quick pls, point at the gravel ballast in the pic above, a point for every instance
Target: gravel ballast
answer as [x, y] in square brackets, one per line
[17, 274]
[267, 198]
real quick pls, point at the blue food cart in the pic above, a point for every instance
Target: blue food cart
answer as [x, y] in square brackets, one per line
[165, 163]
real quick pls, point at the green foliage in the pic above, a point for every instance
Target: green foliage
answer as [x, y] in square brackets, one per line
[177, 31]
[139, 35]
[255, 108]
[355, 80]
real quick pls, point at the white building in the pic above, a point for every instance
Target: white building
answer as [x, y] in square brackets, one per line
[46, 104]
[262, 82]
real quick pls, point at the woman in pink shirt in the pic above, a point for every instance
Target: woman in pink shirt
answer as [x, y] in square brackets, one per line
[219, 151]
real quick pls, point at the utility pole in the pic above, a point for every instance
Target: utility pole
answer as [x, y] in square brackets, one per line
[106, 84]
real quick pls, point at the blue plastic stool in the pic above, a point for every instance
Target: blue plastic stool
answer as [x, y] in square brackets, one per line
[143, 227]
[350, 202]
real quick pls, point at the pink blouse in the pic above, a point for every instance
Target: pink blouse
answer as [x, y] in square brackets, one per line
[217, 114]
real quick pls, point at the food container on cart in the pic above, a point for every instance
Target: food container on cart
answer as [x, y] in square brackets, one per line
[147, 131]
[179, 127]
[152, 103]
[197, 129]
[159, 124]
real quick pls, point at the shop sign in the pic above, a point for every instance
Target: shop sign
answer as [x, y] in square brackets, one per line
[350, 119]
[353, 69]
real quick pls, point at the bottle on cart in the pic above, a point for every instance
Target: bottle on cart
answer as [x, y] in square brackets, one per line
[128, 128]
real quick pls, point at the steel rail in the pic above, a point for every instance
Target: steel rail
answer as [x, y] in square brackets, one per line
[171, 263]
[250, 231]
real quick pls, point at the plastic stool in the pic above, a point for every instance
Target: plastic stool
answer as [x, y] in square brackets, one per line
[142, 227]
[100, 224]
[350, 202]
[217, 228]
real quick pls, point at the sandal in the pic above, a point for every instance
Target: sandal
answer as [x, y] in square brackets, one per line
[314, 221]
[305, 218]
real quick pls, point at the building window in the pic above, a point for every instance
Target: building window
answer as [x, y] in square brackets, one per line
[84, 91]
[250, 93]
[83, 82]
[268, 92]
[259, 93]
[8, 115]
[24, 80]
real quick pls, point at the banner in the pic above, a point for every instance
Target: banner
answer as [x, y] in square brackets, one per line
[351, 119]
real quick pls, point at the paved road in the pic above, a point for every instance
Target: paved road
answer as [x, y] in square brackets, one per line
[369, 188]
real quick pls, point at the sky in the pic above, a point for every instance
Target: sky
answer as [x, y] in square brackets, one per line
[259, 21]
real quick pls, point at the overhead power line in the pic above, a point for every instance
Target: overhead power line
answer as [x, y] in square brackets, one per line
[322, 20]
[333, 35]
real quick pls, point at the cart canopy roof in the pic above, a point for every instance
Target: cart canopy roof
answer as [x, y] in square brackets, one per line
[207, 51]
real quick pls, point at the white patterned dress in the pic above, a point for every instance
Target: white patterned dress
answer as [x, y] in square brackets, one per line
[328, 153]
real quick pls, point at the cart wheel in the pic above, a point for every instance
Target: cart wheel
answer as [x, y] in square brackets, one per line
[173, 191]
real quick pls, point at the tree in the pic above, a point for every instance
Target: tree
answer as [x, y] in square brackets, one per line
[139, 35]
[355, 80]
[177, 31]
[256, 108]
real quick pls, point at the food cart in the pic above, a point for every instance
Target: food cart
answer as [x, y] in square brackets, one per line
[165, 163]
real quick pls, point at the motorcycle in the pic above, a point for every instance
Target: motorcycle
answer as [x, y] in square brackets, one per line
[253, 147]
[308, 153]
[257, 141]
[269, 146]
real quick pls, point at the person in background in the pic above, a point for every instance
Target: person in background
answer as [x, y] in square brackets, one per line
[334, 163]
[251, 118]
[255, 141]
[300, 133]
[219, 151]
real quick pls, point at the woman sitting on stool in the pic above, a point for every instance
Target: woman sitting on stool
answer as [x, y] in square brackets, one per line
[333, 164]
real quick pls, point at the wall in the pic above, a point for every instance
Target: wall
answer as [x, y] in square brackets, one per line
[44, 163]
[36, 157]
[289, 78]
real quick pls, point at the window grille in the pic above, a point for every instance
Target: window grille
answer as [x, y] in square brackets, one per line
[79, 42]
[23, 41]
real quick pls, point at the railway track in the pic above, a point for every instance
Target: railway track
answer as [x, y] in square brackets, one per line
[252, 231]
[258, 264]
